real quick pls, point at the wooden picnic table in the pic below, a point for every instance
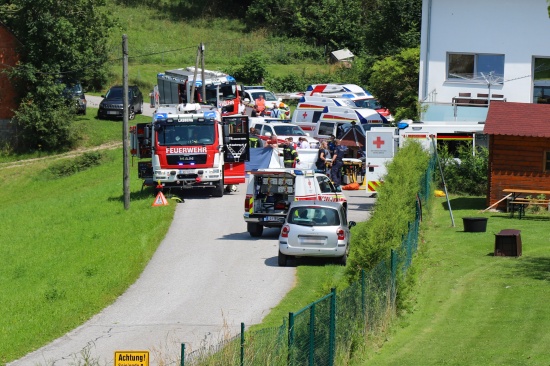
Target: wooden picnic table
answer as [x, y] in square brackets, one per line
[519, 200]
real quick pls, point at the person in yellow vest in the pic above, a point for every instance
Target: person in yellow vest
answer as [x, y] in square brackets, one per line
[290, 156]
[254, 139]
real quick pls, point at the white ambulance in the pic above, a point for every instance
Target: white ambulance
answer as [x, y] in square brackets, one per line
[309, 110]
[270, 191]
[381, 145]
[337, 120]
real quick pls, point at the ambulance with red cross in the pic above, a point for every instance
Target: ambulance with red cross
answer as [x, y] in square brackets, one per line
[381, 144]
[270, 192]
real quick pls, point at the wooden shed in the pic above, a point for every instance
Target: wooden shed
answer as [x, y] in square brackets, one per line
[519, 148]
[8, 58]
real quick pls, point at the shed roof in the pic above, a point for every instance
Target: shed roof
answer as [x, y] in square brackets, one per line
[518, 119]
[343, 54]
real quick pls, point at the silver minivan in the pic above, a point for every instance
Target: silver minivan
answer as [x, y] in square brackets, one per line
[315, 229]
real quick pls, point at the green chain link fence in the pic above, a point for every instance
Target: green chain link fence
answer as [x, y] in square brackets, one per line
[327, 329]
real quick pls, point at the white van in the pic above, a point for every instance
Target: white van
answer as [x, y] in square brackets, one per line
[337, 120]
[309, 110]
[360, 97]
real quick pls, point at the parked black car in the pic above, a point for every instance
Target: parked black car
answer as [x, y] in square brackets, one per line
[111, 105]
[74, 92]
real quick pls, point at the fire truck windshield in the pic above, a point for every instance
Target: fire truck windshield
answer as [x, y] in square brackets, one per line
[179, 134]
[227, 91]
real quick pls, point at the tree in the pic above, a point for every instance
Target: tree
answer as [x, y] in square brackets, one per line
[394, 81]
[367, 27]
[253, 69]
[392, 25]
[63, 40]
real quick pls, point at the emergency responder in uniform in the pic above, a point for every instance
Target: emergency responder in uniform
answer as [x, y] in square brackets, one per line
[338, 162]
[290, 156]
[254, 139]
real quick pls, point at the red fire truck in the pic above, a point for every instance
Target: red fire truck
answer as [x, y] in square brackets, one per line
[191, 146]
[176, 86]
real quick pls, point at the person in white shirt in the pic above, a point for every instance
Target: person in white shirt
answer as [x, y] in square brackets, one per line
[242, 107]
[303, 143]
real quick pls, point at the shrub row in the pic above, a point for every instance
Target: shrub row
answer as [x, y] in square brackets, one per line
[394, 209]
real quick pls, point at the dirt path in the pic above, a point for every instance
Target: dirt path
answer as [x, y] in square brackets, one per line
[68, 154]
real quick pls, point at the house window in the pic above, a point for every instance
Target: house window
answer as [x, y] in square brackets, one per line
[474, 67]
[547, 161]
[541, 81]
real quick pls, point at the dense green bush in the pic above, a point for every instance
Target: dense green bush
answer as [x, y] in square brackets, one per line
[466, 173]
[69, 167]
[252, 70]
[395, 208]
[44, 121]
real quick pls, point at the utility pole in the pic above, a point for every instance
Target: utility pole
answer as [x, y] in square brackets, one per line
[202, 73]
[126, 161]
[199, 52]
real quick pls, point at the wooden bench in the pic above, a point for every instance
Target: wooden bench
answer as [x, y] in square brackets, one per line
[519, 204]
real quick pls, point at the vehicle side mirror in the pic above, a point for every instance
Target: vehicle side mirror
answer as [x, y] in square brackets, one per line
[338, 189]
[351, 224]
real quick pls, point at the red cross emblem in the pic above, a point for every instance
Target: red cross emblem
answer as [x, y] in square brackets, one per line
[304, 115]
[378, 142]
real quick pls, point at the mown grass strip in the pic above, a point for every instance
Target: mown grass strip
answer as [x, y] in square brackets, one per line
[69, 248]
[472, 308]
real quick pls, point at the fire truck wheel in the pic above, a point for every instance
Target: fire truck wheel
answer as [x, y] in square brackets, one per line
[282, 259]
[218, 190]
[255, 230]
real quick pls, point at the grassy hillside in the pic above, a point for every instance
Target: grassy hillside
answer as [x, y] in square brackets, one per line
[158, 42]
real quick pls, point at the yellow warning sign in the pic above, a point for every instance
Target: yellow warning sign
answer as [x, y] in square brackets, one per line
[160, 200]
[131, 358]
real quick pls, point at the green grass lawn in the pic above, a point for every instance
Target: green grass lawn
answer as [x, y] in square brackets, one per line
[470, 307]
[69, 247]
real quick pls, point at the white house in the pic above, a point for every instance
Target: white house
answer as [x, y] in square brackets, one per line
[475, 51]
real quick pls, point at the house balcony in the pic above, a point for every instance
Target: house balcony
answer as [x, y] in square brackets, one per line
[463, 108]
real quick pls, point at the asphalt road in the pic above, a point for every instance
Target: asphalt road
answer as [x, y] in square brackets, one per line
[94, 101]
[207, 276]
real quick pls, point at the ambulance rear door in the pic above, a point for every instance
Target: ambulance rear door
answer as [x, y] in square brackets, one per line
[381, 146]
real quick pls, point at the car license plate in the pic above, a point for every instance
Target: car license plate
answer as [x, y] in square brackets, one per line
[111, 112]
[271, 218]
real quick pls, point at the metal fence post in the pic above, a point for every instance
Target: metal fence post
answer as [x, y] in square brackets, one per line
[311, 335]
[290, 337]
[393, 264]
[242, 344]
[182, 360]
[332, 324]
[363, 291]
